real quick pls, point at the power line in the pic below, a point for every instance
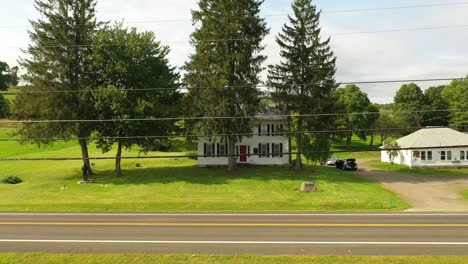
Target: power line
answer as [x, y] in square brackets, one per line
[287, 14]
[271, 134]
[221, 117]
[229, 87]
[78, 46]
[235, 155]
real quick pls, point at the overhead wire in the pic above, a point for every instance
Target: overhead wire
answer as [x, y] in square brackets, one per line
[286, 14]
[264, 86]
[219, 117]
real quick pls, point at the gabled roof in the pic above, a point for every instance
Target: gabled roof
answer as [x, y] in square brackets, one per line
[434, 137]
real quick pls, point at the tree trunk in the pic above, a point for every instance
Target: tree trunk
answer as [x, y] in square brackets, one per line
[371, 139]
[118, 160]
[298, 165]
[232, 163]
[349, 139]
[87, 172]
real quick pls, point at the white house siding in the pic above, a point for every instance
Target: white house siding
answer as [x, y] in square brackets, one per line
[456, 159]
[412, 159]
[401, 158]
[251, 143]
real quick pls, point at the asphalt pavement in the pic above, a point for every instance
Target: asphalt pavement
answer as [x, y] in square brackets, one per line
[304, 234]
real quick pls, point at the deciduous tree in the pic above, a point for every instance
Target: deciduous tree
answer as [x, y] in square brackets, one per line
[118, 70]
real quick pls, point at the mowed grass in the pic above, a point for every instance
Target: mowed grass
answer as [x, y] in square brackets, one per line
[465, 194]
[195, 259]
[428, 172]
[178, 185]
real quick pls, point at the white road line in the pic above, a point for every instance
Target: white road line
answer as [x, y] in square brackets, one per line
[233, 214]
[234, 242]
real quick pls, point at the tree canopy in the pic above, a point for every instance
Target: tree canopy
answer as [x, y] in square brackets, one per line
[359, 114]
[117, 70]
[8, 76]
[456, 95]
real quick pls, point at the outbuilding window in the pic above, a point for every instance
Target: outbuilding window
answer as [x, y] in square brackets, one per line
[463, 155]
[449, 155]
[443, 155]
[429, 155]
[423, 155]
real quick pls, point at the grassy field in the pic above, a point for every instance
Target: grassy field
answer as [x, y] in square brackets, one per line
[175, 185]
[430, 172]
[465, 194]
[9, 97]
[186, 259]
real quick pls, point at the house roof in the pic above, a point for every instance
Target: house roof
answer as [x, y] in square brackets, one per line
[434, 137]
[271, 113]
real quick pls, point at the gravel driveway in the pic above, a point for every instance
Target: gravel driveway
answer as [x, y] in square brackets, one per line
[425, 194]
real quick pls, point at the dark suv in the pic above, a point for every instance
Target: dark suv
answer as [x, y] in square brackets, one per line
[349, 164]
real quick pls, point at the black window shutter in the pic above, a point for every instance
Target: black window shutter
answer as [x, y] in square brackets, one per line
[204, 150]
[213, 149]
[273, 130]
[259, 150]
[282, 129]
[248, 151]
[226, 148]
[259, 130]
[268, 130]
[217, 149]
[281, 150]
[268, 150]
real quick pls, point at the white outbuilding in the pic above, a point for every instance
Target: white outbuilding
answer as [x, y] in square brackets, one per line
[431, 147]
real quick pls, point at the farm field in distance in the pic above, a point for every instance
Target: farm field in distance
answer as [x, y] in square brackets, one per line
[151, 187]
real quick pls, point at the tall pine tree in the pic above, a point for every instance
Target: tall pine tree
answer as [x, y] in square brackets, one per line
[226, 62]
[304, 80]
[57, 60]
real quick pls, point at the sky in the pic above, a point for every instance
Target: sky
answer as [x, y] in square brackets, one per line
[408, 54]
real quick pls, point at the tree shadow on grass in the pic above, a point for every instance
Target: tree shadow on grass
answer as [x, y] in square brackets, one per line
[219, 176]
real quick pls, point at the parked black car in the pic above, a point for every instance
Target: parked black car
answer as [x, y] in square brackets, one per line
[349, 164]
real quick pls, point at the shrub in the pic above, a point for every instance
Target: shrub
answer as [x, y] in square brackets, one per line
[192, 155]
[12, 180]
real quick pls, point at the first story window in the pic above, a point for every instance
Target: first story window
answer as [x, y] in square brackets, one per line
[463, 155]
[417, 155]
[426, 155]
[446, 155]
[277, 150]
[222, 150]
[264, 150]
[209, 150]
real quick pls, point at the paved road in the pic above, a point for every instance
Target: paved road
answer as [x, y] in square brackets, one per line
[330, 234]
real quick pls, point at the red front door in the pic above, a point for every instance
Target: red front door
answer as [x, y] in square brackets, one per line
[243, 153]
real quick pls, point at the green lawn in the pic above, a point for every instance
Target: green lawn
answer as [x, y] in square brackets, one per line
[9, 97]
[465, 194]
[195, 259]
[175, 185]
[431, 172]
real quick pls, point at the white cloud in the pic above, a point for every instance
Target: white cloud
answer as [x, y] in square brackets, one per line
[398, 55]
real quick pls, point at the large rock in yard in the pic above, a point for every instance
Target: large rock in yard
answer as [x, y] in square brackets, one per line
[309, 187]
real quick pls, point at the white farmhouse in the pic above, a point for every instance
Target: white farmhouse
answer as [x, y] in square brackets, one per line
[265, 147]
[432, 147]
